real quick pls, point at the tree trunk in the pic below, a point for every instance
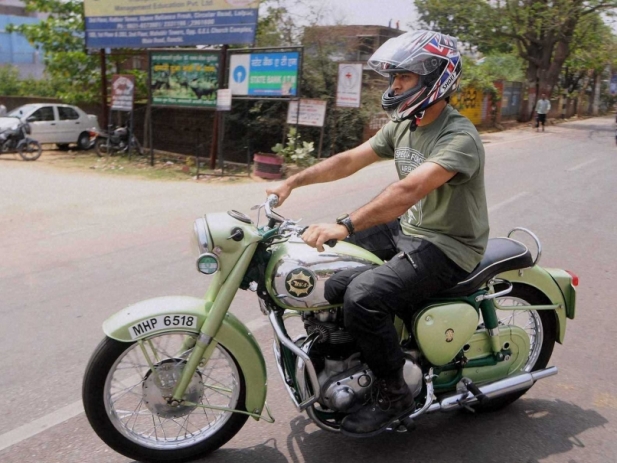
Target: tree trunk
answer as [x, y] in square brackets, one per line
[595, 110]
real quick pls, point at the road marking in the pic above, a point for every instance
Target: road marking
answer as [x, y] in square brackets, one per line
[507, 201]
[63, 414]
[580, 166]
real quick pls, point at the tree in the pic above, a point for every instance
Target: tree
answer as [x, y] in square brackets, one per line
[540, 31]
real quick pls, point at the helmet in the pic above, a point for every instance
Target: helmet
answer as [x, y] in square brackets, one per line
[431, 55]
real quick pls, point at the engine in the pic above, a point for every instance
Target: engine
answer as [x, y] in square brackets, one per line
[344, 379]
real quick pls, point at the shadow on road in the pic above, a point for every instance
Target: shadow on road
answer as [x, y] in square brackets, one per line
[528, 431]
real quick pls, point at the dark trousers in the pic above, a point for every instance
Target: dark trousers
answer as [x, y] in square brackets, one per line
[540, 119]
[416, 270]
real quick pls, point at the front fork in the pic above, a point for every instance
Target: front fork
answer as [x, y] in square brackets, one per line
[218, 299]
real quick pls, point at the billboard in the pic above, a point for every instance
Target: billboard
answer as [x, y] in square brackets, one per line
[349, 85]
[264, 74]
[312, 113]
[122, 92]
[181, 78]
[152, 23]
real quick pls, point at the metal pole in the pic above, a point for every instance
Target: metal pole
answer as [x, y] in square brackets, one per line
[104, 86]
[320, 142]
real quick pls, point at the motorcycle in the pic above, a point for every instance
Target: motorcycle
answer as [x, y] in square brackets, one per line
[177, 377]
[16, 140]
[118, 142]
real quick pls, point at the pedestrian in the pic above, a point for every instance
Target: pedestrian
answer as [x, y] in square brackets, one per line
[543, 106]
[431, 226]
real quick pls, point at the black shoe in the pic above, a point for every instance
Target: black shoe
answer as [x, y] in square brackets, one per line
[392, 399]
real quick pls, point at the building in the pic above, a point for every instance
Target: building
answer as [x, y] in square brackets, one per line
[15, 50]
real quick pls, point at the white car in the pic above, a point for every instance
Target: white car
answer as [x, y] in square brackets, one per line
[57, 123]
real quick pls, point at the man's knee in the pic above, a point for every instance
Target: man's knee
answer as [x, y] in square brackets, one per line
[360, 304]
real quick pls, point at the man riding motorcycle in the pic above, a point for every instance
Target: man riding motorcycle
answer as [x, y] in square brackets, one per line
[431, 226]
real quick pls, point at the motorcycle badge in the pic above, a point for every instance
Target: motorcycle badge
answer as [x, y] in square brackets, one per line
[300, 282]
[449, 335]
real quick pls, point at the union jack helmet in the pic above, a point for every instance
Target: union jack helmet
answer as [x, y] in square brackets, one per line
[431, 55]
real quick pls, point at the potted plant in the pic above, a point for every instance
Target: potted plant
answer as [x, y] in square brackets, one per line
[295, 152]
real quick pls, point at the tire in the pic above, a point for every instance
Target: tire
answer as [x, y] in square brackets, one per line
[30, 151]
[83, 141]
[123, 399]
[102, 148]
[542, 326]
[63, 146]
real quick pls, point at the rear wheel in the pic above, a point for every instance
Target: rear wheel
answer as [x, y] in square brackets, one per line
[83, 142]
[540, 325]
[126, 389]
[30, 151]
[102, 147]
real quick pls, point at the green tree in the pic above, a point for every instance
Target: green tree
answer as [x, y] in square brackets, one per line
[541, 32]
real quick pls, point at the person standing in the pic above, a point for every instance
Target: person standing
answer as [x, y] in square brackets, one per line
[543, 106]
[431, 226]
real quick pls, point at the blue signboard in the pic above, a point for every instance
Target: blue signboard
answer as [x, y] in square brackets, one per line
[264, 74]
[149, 24]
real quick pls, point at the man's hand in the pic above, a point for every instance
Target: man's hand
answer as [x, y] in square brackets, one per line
[282, 191]
[316, 235]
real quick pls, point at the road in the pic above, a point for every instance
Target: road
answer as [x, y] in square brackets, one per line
[75, 247]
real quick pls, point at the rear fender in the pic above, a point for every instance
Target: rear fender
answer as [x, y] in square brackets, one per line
[131, 324]
[540, 279]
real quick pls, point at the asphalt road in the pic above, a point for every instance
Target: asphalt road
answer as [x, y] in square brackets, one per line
[76, 247]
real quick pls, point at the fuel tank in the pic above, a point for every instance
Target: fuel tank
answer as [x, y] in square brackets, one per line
[297, 273]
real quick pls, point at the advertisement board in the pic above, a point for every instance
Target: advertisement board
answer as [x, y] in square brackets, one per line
[349, 85]
[264, 74]
[122, 92]
[184, 79]
[312, 113]
[152, 23]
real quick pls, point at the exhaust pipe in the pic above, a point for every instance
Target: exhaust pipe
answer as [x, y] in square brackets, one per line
[497, 389]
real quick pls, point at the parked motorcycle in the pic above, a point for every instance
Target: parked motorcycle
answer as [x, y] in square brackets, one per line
[118, 142]
[177, 377]
[16, 140]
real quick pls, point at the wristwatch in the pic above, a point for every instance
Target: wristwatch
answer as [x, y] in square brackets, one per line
[345, 220]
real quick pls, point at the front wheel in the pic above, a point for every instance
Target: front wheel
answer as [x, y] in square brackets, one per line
[102, 147]
[30, 151]
[541, 327]
[126, 390]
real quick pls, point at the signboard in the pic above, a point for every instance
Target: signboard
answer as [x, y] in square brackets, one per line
[223, 100]
[122, 92]
[349, 86]
[184, 78]
[312, 113]
[264, 74]
[154, 23]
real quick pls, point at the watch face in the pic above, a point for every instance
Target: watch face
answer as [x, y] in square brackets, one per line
[341, 218]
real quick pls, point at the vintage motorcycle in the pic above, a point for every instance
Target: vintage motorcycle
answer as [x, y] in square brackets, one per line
[118, 140]
[16, 140]
[177, 377]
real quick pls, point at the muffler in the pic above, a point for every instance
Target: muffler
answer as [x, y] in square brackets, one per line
[519, 382]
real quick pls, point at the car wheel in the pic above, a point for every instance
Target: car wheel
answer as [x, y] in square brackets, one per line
[83, 142]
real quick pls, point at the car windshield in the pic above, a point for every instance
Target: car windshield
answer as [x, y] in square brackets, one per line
[25, 109]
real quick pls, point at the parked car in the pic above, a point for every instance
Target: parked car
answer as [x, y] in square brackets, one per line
[57, 123]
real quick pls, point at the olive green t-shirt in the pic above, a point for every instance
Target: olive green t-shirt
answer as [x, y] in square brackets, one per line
[454, 216]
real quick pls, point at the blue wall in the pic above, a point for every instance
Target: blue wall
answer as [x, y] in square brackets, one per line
[16, 50]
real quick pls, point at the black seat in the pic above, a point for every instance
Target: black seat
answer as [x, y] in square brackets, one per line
[502, 254]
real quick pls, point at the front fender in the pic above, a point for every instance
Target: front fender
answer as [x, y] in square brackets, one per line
[233, 335]
[541, 279]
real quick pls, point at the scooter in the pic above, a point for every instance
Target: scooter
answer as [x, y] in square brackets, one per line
[177, 377]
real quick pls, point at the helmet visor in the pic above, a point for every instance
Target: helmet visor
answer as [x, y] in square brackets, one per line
[405, 54]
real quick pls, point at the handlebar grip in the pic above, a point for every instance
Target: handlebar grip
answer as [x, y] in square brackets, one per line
[273, 200]
[331, 243]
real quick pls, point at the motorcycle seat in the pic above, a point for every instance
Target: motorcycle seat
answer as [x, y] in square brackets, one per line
[501, 255]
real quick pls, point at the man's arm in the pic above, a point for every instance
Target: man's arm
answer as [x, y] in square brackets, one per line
[336, 167]
[388, 205]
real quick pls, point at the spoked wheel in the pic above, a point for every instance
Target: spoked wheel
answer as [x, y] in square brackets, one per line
[102, 147]
[540, 326]
[30, 151]
[127, 390]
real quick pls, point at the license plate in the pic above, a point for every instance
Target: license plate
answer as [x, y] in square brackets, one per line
[161, 323]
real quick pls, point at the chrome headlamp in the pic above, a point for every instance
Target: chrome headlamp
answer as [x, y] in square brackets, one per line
[201, 236]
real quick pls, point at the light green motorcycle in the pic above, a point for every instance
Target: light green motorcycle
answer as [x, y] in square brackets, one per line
[177, 377]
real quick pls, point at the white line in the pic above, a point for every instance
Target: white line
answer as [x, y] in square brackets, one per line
[580, 166]
[507, 201]
[63, 414]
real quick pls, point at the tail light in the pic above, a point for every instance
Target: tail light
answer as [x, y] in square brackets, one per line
[574, 278]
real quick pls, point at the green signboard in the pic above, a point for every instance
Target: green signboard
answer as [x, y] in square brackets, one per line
[184, 78]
